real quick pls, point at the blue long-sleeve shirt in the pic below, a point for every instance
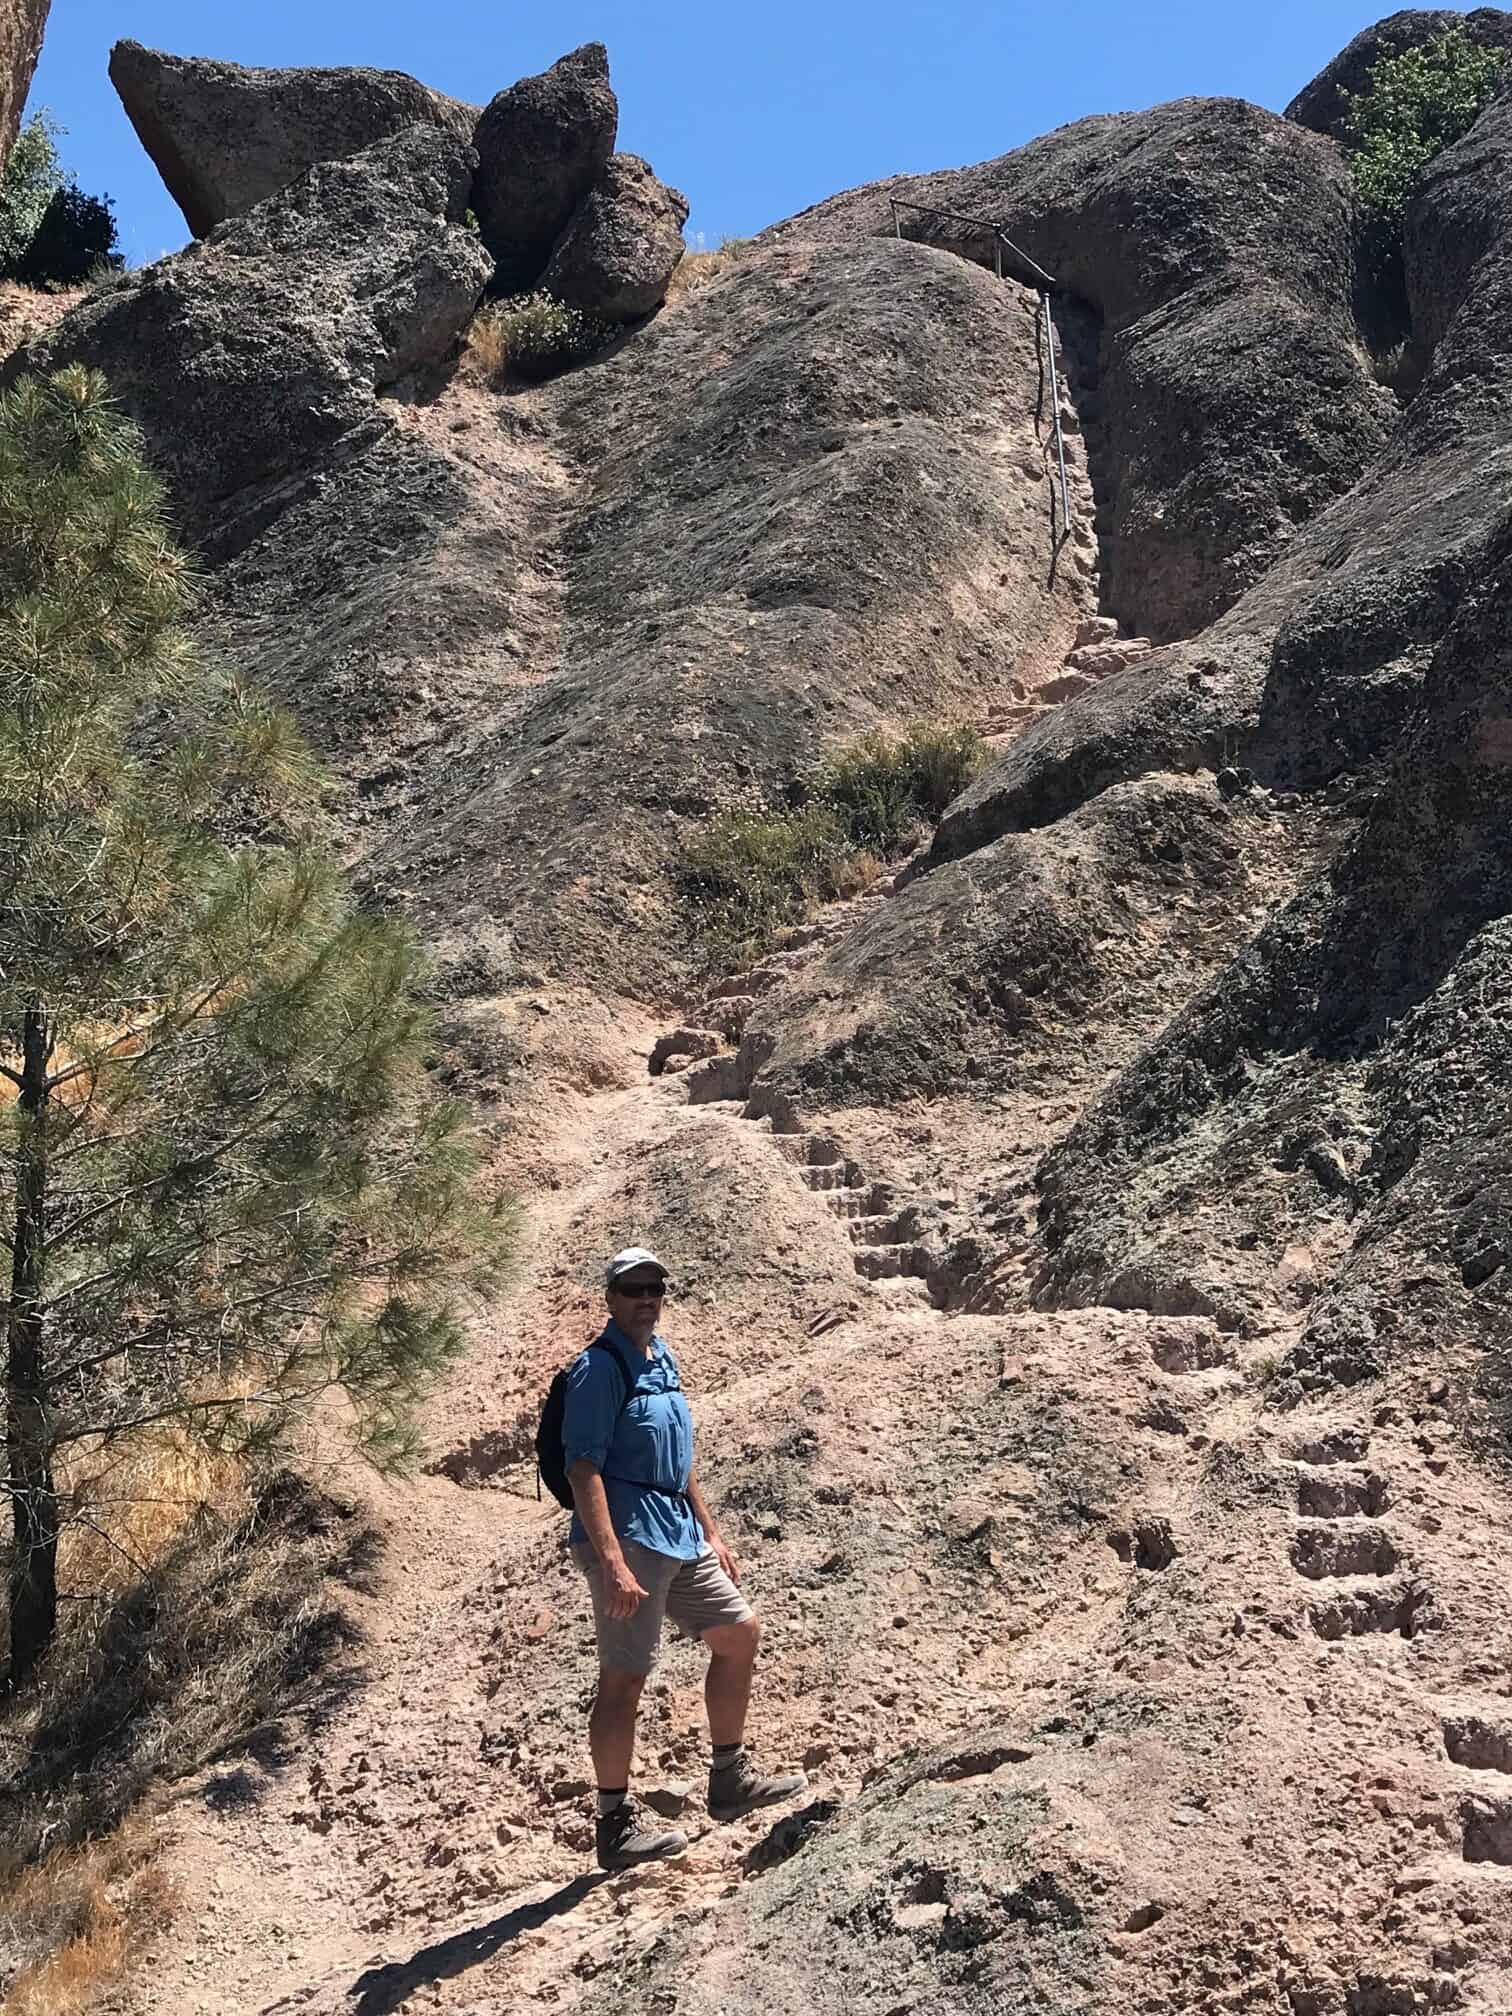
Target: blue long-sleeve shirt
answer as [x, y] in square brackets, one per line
[647, 1441]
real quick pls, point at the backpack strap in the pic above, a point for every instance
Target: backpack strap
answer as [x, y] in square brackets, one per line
[604, 1342]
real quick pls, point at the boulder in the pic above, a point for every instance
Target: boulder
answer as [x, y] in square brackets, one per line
[1342, 1085]
[542, 145]
[223, 137]
[249, 355]
[623, 245]
[1231, 399]
[1323, 105]
[21, 25]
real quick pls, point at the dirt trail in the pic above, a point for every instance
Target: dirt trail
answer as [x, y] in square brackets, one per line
[423, 1843]
[339, 1876]
[426, 1847]
[951, 1524]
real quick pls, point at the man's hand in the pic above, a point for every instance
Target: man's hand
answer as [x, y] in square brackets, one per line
[623, 1595]
[723, 1556]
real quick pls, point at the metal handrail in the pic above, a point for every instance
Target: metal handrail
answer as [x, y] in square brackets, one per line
[1060, 446]
[1001, 242]
[897, 203]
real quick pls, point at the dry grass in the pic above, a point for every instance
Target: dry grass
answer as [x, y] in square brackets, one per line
[197, 1613]
[72, 1921]
[529, 337]
[856, 874]
[142, 1492]
[485, 353]
[698, 269]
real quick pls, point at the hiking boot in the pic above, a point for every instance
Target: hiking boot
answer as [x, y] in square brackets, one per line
[624, 1841]
[736, 1790]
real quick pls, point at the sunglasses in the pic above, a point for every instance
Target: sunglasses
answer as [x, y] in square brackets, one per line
[638, 1291]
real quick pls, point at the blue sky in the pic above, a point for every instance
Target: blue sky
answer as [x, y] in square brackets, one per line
[753, 110]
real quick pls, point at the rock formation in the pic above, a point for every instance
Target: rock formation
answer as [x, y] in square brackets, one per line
[1324, 103]
[249, 358]
[774, 567]
[21, 26]
[1233, 401]
[542, 145]
[1319, 1048]
[623, 244]
[223, 137]
[548, 192]
[1095, 1233]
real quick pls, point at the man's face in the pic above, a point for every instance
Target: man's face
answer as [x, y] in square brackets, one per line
[635, 1303]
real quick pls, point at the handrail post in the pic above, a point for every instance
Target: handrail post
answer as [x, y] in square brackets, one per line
[1060, 446]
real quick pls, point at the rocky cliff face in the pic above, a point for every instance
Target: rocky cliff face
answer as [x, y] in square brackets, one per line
[1213, 243]
[21, 26]
[1093, 1243]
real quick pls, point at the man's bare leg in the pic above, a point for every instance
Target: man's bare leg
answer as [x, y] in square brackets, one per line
[734, 1785]
[611, 1726]
[622, 1839]
[727, 1690]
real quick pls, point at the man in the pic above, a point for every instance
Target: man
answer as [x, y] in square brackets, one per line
[645, 1538]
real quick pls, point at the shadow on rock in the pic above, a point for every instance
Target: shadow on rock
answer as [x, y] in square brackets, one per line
[382, 1990]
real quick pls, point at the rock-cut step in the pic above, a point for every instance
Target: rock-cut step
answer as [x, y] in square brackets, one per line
[891, 1263]
[1343, 1494]
[1479, 1742]
[1325, 1552]
[833, 1176]
[1389, 1609]
[886, 1228]
[848, 1204]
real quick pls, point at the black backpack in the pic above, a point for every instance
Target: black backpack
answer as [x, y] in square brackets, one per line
[551, 1457]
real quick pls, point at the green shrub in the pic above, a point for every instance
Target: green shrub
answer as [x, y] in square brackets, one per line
[868, 790]
[33, 175]
[886, 789]
[1413, 106]
[748, 874]
[533, 336]
[51, 233]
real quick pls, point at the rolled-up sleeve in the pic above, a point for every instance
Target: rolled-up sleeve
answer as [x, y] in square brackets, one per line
[592, 1408]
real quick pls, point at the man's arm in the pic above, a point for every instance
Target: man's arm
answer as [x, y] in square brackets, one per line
[711, 1530]
[595, 1394]
[622, 1592]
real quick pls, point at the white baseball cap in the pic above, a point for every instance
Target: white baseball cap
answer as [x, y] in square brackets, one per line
[633, 1256]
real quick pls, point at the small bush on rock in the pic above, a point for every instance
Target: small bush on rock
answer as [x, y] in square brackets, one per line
[74, 242]
[885, 788]
[748, 874]
[32, 175]
[1414, 106]
[534, 336]
[700, 266]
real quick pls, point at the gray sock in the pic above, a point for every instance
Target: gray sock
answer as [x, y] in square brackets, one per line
[608, 1802]
[727, 1755]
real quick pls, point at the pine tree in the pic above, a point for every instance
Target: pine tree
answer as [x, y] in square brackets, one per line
[231, 1189]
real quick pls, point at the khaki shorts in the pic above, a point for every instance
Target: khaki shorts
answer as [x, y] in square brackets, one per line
[696, 1595]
